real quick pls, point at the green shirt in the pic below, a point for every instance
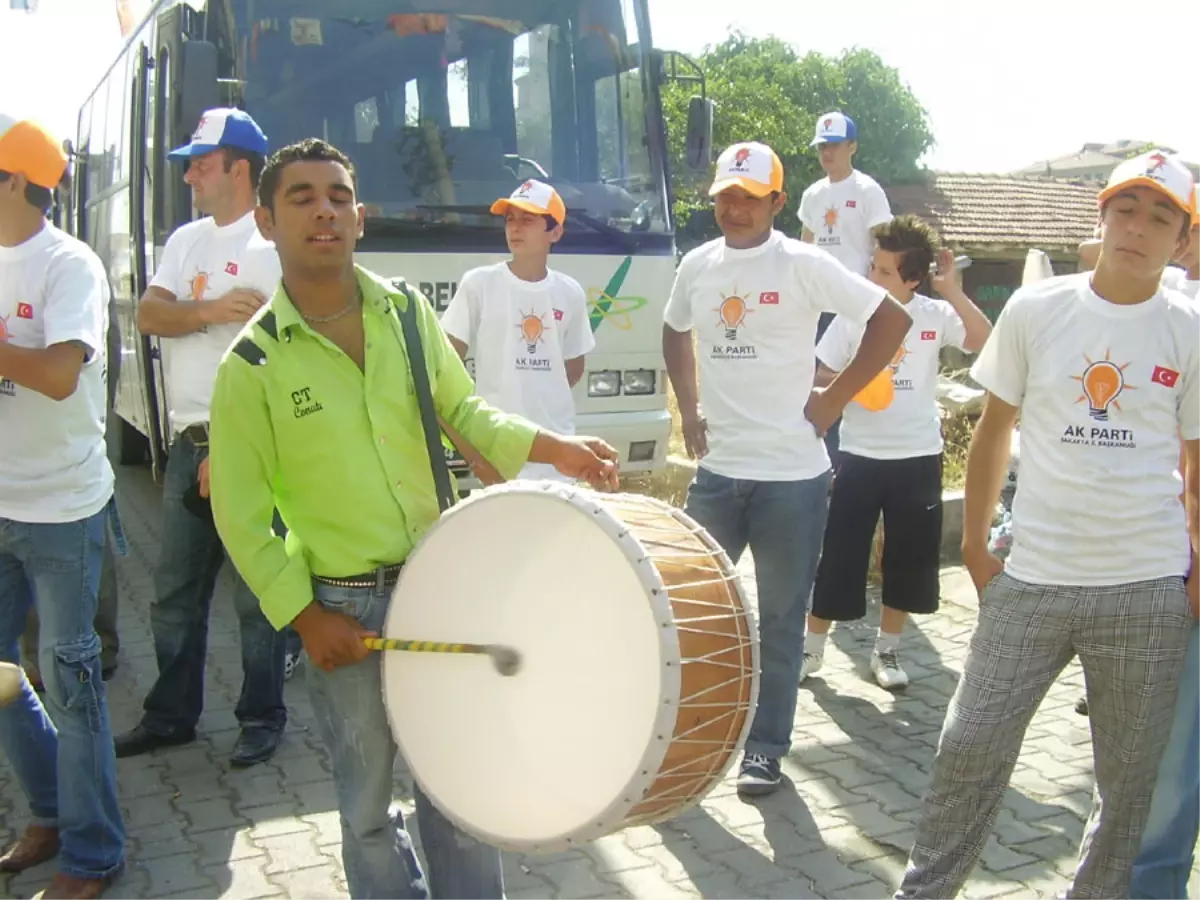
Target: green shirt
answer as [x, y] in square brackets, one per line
[296, 426]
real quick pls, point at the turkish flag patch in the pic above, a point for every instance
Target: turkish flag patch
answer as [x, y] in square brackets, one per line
[769, 298]
[24, 310]
[929, 335]
[231, 268]
[1164, 376]
[558, 315]
[851, 204]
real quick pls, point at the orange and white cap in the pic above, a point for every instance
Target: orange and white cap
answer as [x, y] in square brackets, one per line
[1160, 171]
[535, 197]
[1195, 205]
[753, 167]
[27, 148]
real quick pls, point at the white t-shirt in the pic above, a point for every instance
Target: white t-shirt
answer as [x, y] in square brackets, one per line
[1175, 279]
[911, 425]
[520, 334]
[1104, 393]
[755, 315]
[204, 261]
[841, 214]
[53, 462]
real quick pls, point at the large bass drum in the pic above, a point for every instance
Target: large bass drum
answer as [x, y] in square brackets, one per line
[638, 675]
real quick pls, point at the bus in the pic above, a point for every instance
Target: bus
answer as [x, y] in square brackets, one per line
[444, 106]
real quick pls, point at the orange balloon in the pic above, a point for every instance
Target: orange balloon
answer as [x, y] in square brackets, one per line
[878, 393]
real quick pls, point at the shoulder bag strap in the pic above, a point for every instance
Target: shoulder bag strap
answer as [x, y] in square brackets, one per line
[429, 423]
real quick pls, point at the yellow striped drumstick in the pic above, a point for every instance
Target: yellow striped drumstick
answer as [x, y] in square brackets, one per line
[506, 660]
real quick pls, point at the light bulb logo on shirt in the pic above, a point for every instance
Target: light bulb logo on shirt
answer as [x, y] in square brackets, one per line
[5, 334]
[532, 330]
[898, 359]
[733, 313]
[199, 285]
[831, 219]
[1103, 381]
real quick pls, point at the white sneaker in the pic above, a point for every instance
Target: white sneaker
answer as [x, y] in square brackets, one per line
[886, 668]
[812, 664]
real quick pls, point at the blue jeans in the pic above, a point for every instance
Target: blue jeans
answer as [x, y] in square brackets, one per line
[783, 523]
[1164, 862]
[62, 753]
[192, 555]
[376, 850]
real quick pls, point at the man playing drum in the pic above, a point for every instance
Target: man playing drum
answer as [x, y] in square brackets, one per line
[314, 412]
[753, 298]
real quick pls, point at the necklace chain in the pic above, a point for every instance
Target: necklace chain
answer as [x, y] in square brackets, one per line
[333, 317]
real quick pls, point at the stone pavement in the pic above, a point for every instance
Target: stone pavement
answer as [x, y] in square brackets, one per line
[840, 828]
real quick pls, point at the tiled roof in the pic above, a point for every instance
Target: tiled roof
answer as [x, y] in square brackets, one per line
[1001, 210]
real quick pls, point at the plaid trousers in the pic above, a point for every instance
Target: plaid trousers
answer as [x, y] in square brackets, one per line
[1131, 640]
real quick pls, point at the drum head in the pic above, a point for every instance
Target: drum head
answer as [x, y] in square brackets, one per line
[558, 752]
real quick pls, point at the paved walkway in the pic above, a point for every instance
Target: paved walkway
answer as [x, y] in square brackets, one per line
[840, 828]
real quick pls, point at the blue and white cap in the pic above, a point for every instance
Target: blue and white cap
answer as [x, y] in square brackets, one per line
[223, 128]
[833, 128]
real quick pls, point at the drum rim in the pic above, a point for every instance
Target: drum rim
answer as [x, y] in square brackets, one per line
[671, 675]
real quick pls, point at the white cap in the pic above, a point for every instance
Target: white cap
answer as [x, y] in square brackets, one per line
[536, 197]
[834, 128]
[753, 167]
[1159, 170]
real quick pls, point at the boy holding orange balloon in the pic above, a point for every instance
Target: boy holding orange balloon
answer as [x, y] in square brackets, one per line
[891, 453]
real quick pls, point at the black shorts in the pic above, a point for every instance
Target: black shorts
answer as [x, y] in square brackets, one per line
[908, 492]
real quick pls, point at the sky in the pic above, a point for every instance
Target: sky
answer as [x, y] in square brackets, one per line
[1005, 84]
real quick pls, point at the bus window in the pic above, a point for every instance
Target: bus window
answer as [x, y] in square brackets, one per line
[116, 126]
[80, 176]
[98, 169]
[160, 178]
[444, 112]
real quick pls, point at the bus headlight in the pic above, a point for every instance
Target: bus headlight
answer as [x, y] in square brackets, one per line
[604, 384]
[639, 381]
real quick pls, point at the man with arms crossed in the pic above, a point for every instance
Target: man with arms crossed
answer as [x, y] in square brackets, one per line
[891, 459]
[215, 273]
[314, 412]
[1103, 369]
[748, 304]
[56, 499]
[525, 323]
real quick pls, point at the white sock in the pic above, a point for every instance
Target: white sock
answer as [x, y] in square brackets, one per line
[886, 642]
[814, 644]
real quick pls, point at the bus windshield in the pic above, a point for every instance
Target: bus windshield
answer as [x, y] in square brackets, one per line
[446, 105]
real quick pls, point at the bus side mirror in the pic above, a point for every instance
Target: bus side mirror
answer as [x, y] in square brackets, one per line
[198, 90]
[699, 133]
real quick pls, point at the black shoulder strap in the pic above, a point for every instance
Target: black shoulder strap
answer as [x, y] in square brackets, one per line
[250, 352]
[433, 433]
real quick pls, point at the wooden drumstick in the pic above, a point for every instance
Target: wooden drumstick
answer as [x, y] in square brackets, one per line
[506, 660]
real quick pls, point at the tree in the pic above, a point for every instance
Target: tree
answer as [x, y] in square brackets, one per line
[764, 91]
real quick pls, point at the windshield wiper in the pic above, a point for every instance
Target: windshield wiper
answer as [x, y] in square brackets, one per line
[623, 239]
